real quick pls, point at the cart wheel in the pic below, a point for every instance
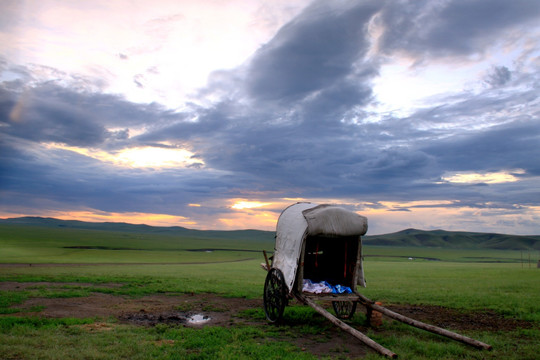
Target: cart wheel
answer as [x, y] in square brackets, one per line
[344, 309]
[275, 295]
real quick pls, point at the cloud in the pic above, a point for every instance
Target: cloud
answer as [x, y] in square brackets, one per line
[426, 28]
[507, 146]
[50, 112]
[315, 51]
[139, 80]
[499, 76]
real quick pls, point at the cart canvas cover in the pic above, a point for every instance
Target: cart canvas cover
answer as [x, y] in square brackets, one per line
[301, 220]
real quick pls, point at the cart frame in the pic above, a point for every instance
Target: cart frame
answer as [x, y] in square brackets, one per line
[306, 231]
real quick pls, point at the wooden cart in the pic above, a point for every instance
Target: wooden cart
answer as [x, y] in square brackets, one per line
[323, 243]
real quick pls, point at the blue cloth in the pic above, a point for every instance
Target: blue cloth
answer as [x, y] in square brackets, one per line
[338, 289]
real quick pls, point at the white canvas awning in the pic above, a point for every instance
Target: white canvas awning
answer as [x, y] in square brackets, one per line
[301, 220]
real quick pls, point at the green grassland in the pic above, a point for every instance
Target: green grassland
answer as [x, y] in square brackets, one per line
[40, 244]
[150, 262]
[421, 253]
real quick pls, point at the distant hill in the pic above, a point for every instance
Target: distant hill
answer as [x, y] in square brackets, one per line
[404, 238]
[255, 235]
[455, 240]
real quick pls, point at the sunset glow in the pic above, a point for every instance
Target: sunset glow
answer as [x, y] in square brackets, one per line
[138, 157]
[264, 220]
[485, 178]
[155, 157]
[241, 205]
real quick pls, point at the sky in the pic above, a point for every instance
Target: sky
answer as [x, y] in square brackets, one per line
[215, 114]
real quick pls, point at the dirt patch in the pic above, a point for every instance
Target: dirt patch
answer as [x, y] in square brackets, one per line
[177, 309]
[148, 310]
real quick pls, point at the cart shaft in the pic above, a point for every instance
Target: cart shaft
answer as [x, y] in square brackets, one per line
[357, 334]
[431, 328]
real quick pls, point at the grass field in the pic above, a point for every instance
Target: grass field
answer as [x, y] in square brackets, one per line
[465, 280]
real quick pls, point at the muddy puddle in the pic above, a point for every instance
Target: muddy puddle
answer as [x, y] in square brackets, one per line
[170, 318]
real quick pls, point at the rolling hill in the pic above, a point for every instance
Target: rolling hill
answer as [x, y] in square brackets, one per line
[255, 235]
[455, 240]
[404, 238]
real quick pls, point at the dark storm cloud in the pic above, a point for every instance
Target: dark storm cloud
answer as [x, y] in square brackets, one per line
[426, 28]
[40, 119]
[508, 146]
[52, 113]
[314, 51]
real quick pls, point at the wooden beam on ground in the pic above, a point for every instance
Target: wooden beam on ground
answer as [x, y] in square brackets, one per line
[357, 334]
[431, 328]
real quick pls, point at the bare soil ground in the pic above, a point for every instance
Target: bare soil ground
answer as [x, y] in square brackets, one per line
[177, 309]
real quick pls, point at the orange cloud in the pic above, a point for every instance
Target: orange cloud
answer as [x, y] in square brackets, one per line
[262, 220]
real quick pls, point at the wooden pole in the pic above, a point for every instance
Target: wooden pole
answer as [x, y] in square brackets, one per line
[357, 334]
[431, 328]
[266, 260]
[266, 265]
